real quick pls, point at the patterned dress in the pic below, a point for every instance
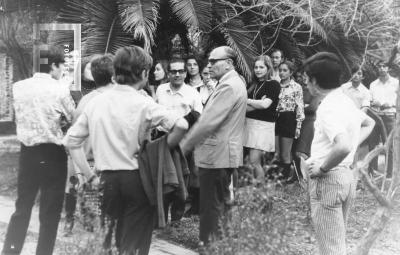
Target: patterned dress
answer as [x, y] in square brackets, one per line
[291, 101]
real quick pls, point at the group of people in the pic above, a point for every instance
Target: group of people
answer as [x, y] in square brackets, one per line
[208, 115]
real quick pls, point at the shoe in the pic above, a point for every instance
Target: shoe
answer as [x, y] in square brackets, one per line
[202, 249]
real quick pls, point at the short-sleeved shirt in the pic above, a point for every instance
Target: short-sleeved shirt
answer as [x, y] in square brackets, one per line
[267, 89]
[385, 93]
[337, 114]
[181, 101]
[360, 94]
[39, 103]
[118, 120]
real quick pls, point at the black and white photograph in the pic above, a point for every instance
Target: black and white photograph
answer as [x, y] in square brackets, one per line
[199, 127]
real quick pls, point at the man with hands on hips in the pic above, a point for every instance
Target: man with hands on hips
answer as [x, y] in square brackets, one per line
[339, 128]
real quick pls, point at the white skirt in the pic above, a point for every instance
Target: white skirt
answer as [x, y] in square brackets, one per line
[259, 135]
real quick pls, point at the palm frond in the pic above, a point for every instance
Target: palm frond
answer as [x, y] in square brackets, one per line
[288, 44]
[193, 13]
[101, 27]
[139, 17]
[241, 42]
[240, 39]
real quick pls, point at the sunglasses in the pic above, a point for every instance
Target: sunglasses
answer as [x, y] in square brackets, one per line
[175, 72]
[212, 61]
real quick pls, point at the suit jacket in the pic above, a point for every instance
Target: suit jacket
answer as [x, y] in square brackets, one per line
[217, 136]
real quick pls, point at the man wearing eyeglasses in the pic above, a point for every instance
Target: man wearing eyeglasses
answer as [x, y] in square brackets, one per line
[176, 95]
[182, 99]
[217, 140]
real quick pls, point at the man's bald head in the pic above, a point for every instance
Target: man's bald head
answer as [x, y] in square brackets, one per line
[221, 61]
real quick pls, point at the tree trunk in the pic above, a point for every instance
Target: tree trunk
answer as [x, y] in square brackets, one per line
[378, 224]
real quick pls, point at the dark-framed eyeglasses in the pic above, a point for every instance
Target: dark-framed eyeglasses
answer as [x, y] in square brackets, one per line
[175, 72]
[212, 61]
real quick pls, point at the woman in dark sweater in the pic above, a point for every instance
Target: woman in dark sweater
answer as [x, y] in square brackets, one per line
[263, 96]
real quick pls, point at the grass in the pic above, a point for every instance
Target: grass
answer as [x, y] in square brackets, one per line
[8, 173]
[287, 228]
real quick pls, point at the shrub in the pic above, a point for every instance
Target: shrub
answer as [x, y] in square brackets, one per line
[257, 226]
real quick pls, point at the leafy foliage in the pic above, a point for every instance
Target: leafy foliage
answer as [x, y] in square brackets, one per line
[357, 30]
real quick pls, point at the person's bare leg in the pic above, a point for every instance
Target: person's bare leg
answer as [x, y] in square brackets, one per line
[255, 162]
[285, 155]
[286, 149]
[277, 149]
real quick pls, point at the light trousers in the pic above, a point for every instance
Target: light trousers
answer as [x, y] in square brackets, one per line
[332, 197]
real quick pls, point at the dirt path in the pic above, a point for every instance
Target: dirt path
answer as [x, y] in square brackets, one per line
[64, 244]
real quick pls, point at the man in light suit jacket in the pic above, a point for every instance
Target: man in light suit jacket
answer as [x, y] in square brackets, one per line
[217, 139]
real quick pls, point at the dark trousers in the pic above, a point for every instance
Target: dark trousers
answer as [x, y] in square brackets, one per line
[70, 207]
[42, 167]
[214, 198]
[389, 121]
[375, 138]
[177, 205]
[125, 201]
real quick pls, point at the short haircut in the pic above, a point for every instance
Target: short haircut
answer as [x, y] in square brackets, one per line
[86, 60]
[55, 55]
[277, 50]
[129, 63]
[230, 53]
[382, 62]
[355, 68]
[177, 60]
[326, 68]
[290, 65]
[102, 69]
[267, 62]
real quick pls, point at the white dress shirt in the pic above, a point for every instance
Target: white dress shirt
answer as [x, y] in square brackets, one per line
[360, 94]
[385, 93]
[181, 101]
[118, 121]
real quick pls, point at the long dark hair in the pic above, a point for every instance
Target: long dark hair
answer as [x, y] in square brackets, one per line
[199, 63]
[164, 65]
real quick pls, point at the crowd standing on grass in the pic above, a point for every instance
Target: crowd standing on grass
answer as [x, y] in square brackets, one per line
[158, 152]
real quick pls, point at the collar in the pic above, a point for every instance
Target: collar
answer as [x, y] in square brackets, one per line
[199, 84]
[227, 75]
[43, 75]
[124, 87]
[334, 93]
[179, 91]
[358, 88]
[390, 78]
[290, 84]
[106, 87]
